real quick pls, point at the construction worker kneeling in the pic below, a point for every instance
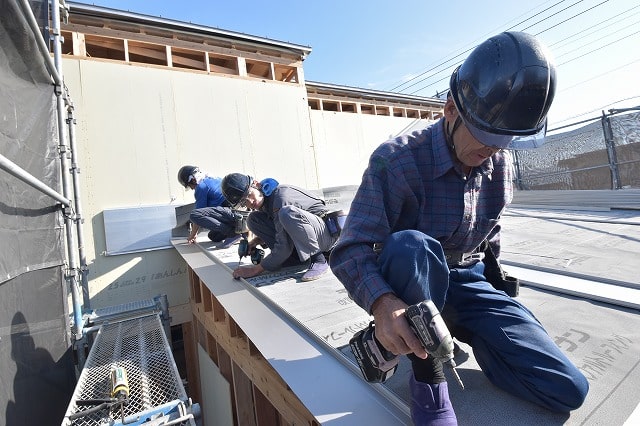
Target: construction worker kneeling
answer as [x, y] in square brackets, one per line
[288, 220]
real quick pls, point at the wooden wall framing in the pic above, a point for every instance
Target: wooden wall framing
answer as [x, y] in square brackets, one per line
[193, 54]
[370, 108]
[154, 44]
[324, 97]
[259, 395]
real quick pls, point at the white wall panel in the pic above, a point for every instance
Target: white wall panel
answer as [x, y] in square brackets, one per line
[215, 393]
[230, 124]
[137, 125]
[344, 142]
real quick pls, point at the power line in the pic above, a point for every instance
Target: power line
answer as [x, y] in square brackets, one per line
[446, 61]
[555, 25]
[593, 30]
[599, 48]
[601, 108]
[435, 74]
[566, 20]
[600, 75]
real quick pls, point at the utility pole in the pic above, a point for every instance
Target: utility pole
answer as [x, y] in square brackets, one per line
[518, 173]
[611, 151]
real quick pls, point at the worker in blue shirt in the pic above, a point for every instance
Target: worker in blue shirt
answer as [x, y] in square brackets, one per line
[211, 211]
[416, 227]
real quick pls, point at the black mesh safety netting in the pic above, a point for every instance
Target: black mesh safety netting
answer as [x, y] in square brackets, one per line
[580, 159]
[36, 363]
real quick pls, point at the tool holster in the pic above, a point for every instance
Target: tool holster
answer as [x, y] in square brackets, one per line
[335, 221]
[496, 276]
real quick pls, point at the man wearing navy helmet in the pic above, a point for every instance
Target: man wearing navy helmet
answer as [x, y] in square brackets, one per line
[290, 221]
[418, 227]
[211, 211]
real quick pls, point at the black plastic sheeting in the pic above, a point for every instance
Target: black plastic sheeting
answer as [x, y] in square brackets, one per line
[37, 373]
[31, 229]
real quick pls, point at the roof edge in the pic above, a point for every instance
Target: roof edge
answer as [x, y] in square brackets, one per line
[372, 94]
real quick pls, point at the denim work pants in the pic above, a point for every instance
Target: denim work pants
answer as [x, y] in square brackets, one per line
[220, 221]
[509, 343]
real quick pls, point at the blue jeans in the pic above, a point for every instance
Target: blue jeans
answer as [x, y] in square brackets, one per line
[220, 221]
[512, 348]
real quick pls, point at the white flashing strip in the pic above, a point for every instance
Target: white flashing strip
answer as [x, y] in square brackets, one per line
[634, 418]
[329, 389]
[585, 288]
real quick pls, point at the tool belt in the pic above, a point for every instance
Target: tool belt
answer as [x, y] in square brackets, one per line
[241, 217]
[457, 259]
[493, 271]
[335, 221]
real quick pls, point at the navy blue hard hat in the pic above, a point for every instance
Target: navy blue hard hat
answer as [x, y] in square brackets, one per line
[504, 89]
[185, 173]
[235, 187]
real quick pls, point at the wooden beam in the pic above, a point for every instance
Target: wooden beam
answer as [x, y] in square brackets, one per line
[159, 53]
[78, 43]
[191, 361]
[244, 397]
[126, 50]
[242, 67]
[168, 56]
[208, 45]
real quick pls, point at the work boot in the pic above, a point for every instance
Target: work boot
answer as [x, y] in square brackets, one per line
[319, 266]
[430, 404]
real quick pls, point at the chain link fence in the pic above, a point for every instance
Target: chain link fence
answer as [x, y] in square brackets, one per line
[604, 154]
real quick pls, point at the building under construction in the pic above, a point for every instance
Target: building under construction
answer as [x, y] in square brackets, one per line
[104, 301]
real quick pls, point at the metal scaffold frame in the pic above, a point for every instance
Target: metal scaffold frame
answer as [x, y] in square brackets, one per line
[154, 389]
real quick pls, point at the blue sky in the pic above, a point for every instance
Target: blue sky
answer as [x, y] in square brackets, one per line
[413, 45]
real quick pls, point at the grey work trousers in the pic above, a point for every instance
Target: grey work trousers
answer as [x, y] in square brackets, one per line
[294, 228]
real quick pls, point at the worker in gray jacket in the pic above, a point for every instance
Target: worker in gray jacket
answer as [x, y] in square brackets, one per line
[290, 221]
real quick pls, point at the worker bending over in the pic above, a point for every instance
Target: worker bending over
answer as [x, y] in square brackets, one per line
[295, 225]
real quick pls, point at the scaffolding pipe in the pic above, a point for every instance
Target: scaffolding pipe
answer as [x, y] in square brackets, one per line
[17, 171]
[44, 50]
[72, 274]
[75, 172]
